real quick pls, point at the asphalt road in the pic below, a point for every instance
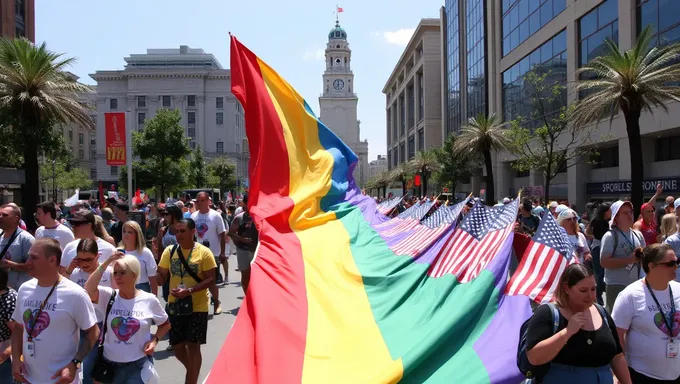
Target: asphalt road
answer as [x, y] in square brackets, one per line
[170, 370]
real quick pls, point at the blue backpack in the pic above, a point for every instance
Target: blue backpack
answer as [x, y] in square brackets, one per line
[535, 373]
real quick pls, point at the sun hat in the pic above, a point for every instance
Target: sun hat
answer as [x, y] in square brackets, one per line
[615, 210]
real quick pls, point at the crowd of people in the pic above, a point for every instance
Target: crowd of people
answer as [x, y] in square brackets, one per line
[79, 297]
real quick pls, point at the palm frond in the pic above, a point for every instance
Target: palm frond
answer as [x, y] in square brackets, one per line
[482, 133]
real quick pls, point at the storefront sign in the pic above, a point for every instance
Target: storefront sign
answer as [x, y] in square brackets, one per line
[624, 186]
[115, 138]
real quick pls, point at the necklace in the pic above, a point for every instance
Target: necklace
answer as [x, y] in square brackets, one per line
[589, 341]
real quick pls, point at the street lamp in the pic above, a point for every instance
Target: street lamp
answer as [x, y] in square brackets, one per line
[54, 180]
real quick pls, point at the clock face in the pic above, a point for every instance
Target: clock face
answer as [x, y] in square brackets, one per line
[338, 84]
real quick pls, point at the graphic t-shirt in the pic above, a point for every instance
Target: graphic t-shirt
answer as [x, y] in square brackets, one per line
[647, 337]
[56, 331]
[209, 226]
[147, 262]
[69, 253]
[60, 233]
[129, 324]
[200, 261]
[8, 301]
[580, 245]
[17, 252]
[80, 277]
[626, 243]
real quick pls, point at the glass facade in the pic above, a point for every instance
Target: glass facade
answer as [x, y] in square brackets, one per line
[663, 16]
[523, 18]
[551, 59]
[476, 63]
[594, 28]
[453, 67]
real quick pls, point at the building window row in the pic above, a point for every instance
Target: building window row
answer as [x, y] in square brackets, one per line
[605, 158]
[523, 18]
[662, 15]
[667, 148]
[550, 59]
[453, 100]
[595, 28]
[476, 62]
[411, 147]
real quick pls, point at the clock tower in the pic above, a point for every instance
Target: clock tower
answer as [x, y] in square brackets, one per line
[338, 102]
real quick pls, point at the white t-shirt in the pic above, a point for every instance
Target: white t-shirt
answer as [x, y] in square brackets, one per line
[580, 245]
[80, 277]
[129, 324]
[69, 253]
[209, 226]
[636, 311]
[57, 329]
[147, 262]
[60, 233]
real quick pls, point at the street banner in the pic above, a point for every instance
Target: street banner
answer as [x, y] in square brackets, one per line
[115, 138]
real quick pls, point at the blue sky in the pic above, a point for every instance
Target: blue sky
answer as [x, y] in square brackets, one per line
[290, 36]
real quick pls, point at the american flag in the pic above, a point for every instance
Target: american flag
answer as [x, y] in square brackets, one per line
[547, 255]
[430, 231]
[387, 206]
[408, 219]
[475, 242]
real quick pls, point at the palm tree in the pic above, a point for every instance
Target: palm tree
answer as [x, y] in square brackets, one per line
[37, 94]
[482, 135]
[632, 81]
[425, 163]
[382, 182]
[401, 173]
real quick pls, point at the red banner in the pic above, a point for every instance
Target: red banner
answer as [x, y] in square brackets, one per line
[115, 138]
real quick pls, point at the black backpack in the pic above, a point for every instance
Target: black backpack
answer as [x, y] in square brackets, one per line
[529, 370]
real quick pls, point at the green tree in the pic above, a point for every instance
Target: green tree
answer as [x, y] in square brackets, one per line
[162, 149]
[455, 167]
[424, 163]
[640, 79]
[198, 175]
[36, 94]
[401, 173]
[481, 136]
[546, 140]
[222, 174]
[62, 174]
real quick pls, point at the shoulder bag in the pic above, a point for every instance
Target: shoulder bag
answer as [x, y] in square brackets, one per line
[102, 371]
[184, 306]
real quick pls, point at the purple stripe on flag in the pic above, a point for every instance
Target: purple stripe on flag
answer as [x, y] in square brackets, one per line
[431, 253]
[500, 338]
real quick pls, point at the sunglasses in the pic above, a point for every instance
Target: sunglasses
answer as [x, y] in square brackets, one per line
[670, 263]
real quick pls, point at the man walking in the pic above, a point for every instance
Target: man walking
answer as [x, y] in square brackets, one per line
[14, 246]
[188, 304]
[245, 237]
[52, 310]
[211, 233]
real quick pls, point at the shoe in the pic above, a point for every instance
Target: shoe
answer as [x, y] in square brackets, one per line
[218, 310]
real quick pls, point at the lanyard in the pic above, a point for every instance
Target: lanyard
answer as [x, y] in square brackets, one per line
[182, 271]
[630, 241]
[37, 316]
[669, 323]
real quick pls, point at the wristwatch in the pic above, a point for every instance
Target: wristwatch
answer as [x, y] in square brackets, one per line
[77, 362]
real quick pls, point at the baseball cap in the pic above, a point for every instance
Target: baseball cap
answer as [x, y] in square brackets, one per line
[669, 201]
[560, 208]
[676, 204]
[82, 216]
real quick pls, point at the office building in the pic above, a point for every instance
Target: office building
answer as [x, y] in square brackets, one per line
[338, 103]
[413, 96]
[187, 79]
[556, 37]
[17, 18]
[377, 166]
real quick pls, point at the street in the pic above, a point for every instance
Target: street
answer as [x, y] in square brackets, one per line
[169, 368]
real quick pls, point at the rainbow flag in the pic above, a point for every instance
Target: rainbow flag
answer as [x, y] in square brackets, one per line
[328, 301]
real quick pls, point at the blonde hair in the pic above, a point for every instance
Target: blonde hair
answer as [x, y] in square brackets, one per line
[139, 235]
[130, 264]
[668, 225]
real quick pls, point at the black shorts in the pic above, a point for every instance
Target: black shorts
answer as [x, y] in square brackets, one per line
[189, 329]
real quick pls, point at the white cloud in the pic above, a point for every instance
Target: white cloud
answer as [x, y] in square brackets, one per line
[399, 37]
[314, 55]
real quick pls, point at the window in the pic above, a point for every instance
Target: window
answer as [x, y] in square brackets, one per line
[167, 101]
[114, 170]
[141, 101]
[219, 103]
[19, 8]
[141, 118]
[81, 154]
[452, 52]
[411, 147]
[191, 132]
[70, 135]
[192, 144]
[523, 18]
[81, 139]
[191, 117]
[662, 15]
[219, 147]
[476, 59]
[389, 160]
[19, 30]
[421, 97]
[402, 115]
[219, 118]
[594, 28]
[113, 104]
[550, 58]
[191, 101]
[519, 173]
[411, 106]
[402, 153]
[666, 148]
[605, 158]
[93, 173]
[421, 139]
